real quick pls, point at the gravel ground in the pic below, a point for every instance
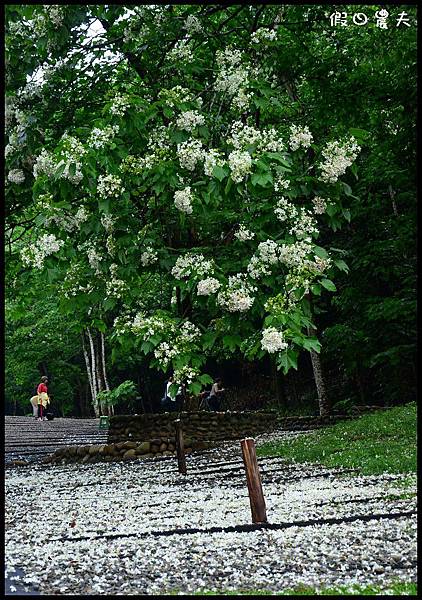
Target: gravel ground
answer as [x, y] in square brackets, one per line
[141, 528]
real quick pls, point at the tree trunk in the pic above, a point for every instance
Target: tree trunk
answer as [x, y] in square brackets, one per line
[89, 373]
[93, 375]
[324, 407]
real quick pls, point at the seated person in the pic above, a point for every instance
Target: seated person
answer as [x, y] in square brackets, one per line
[213, 401]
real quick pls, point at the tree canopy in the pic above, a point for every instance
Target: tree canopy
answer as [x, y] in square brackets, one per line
[194, 182]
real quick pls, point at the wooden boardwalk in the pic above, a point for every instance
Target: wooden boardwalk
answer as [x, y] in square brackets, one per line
[31, 440]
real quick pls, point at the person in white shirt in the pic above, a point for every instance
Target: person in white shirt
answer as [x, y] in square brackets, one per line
[172, 399]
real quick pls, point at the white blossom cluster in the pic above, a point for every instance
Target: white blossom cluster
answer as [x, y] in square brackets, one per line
[190, 153]
[263, 35]
[182, 51]
[237, 295]
[294, 255]
[305, 226]
[149, 256]
[159, 139]
[178, 337]
[338, 156]
[65, 221]
[175, 95]
[212, 158]
[136, 165]
[55, 14]
[240, 164]
[193, 25]
[267, 255]
[44, 164]
[94, 258]
[244, 136]
[16, 176]
[319, 205]
[119, 105]
[72, 152]
[300, 136]
[285, 210]
[107, 221]
[318, 265]
[243, 234]
[115, 287]
[109, 186]
[185, 375]
[297, 280]
[273, 340]
[44, 246]
[183, 200]
[208, 286]
[101, 137]
[280, 183]
[233, 77]
[189, 120]
[190, 264]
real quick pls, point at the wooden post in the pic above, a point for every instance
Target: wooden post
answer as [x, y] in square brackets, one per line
[180, 447]
[253, 478]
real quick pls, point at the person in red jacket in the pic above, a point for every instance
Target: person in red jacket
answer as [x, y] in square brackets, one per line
[43, 399]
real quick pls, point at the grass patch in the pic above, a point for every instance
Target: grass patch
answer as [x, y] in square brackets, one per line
[374, 443]
[399, 588]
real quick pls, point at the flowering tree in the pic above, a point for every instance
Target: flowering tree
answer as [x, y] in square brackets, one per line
[183, 210]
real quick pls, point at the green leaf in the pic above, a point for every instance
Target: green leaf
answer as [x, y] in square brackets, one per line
[321, 252]
[328, 284]
[341, 265]
[109, 303]
[219, 172]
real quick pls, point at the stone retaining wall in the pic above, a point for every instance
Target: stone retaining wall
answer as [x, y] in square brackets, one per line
[214, 426]
[152, 435]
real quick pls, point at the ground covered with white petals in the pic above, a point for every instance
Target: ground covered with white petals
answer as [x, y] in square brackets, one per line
[141, 528]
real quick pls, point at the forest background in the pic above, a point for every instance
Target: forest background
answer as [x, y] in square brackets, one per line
[67, 66]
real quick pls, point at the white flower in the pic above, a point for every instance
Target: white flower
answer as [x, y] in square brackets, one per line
[119, 105]
[305, 226]
[280, 183]
[233, 77]
[237, 296]
[189, 120]
[273, 340]
[263, 35]
[175, 95]
[181, 52]
[294, 255]
[285, 210]
[190, 153]
[107, 221]
[338, 156]
[109, 185]
[183, 200]
[267, 256]
[149, 257]
[100, 137]
[243, 234]
[16, 176]
[212, 158]
[240, 164]
[193, 25]
[94, 258]
[44, 246]
[208, 286]
[300, 136]
[44, 164]
[190, 264]
[319, 205]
